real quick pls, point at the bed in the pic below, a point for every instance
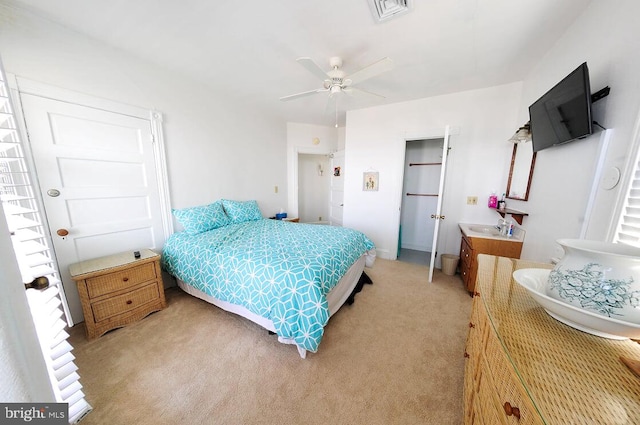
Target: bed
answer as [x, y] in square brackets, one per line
[287, 277]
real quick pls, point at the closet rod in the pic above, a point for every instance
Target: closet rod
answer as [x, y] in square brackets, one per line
[411, 164]
[421, 194]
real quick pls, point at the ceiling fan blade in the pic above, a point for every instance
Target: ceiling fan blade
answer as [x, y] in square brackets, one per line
[357, 91]
[376, 68]
[303, 94]
[312, 67]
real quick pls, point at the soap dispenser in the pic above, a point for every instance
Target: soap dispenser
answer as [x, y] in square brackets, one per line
[493, 200]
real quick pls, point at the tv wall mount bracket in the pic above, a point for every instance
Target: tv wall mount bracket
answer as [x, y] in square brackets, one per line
[600, 94]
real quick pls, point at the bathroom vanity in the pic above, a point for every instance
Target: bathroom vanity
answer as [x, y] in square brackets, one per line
[485, 239]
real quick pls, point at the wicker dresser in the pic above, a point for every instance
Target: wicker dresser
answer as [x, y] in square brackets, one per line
[118, 290]
[524, 367]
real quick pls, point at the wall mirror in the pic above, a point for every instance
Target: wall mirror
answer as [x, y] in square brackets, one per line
[522, 162]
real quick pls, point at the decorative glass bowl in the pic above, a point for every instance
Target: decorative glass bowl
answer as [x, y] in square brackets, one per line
[595, 287]
[535, 281]
[600, 277]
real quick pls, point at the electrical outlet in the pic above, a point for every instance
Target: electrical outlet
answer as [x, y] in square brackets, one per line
[275, 189]
[472, 200]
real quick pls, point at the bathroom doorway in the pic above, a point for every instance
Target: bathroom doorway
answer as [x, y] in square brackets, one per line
[422, 174]
[314, 178]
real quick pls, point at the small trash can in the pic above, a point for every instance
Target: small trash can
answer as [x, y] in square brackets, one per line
[449, 263]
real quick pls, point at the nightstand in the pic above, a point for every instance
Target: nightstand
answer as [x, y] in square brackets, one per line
[118, 290]
[293, 219]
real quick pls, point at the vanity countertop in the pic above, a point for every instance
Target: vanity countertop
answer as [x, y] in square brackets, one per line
[490, 231]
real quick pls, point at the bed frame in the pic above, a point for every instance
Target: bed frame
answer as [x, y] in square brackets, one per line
[338, 295]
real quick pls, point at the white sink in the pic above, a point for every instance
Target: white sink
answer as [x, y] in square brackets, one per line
[485, 228]
[490, 231]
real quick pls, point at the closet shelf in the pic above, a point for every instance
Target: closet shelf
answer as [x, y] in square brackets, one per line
[411, 164]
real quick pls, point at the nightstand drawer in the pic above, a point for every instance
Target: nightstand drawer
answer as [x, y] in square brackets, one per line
[105, 284]
[103, 310]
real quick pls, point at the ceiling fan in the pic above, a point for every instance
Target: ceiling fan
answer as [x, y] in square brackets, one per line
[336, 81]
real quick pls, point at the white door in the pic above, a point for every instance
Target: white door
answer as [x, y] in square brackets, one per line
[438, 215]
[96, 170]
[336, 202]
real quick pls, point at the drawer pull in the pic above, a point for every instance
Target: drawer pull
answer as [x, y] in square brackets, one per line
[471, 325]
[511, 410]
[466, 355]
[125, 279]
[129, 302]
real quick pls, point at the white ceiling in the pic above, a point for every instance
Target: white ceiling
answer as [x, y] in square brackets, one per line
[248, 49]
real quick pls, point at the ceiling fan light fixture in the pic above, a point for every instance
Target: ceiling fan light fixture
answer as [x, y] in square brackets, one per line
[386, 9]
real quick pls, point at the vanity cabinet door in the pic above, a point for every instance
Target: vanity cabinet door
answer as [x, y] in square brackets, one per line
[467, 258]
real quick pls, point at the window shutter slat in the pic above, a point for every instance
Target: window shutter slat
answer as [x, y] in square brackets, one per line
[628, 231]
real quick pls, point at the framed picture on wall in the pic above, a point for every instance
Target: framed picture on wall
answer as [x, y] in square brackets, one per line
[370, 181]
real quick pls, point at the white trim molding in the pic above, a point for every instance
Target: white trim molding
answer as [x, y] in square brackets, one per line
[161, 172]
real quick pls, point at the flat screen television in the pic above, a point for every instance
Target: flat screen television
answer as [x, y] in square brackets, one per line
[563, 113]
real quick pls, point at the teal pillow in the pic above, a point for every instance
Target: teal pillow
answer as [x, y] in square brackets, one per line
[241, 211]
[202, 218]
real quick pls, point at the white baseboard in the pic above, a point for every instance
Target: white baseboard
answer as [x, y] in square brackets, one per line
[415, 247]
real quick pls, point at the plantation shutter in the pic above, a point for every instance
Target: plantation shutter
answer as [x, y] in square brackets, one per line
[628, 231]
[35, 259]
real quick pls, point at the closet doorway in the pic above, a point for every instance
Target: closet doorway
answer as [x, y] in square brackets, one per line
[421, 187]
[314, 184]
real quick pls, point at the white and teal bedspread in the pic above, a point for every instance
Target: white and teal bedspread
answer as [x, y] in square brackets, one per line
[278, 270]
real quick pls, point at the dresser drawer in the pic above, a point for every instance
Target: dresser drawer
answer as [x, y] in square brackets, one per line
[487, 410]
[124, 303]
[105, 284]
[508, 389]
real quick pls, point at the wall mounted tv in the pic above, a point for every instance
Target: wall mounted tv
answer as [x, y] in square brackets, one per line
[563, 113]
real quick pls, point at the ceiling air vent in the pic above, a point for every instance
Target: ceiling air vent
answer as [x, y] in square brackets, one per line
[384, 10]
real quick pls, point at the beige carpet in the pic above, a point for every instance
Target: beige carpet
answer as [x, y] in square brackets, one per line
[394, 357]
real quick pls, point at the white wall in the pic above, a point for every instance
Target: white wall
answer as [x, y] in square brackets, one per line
[478, 160]
[607, 37]
[215, 147]
[342, 132]
[305, 139]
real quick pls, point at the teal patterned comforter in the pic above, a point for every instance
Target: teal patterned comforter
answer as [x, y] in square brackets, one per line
[279, 270]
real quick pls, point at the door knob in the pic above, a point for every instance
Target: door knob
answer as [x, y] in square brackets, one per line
[62, 232]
